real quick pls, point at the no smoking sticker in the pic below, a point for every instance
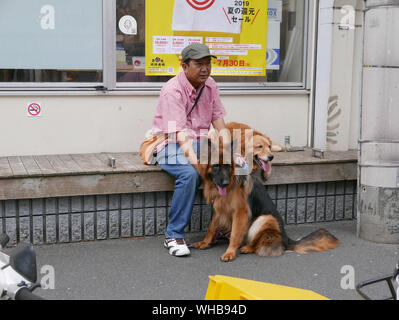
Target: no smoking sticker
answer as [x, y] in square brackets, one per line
[34, 109]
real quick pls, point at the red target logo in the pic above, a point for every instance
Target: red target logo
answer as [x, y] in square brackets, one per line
[200, 5]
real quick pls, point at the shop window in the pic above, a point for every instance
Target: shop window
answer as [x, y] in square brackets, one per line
[51, 41]
[130, 42]
[285, 41]
[62, 43]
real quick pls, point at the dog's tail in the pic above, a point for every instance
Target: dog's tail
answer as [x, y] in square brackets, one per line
[317, 241]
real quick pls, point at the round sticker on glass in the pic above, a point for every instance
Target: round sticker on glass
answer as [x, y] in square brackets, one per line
[128, 25]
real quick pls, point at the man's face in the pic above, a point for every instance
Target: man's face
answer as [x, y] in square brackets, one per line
[198, 71]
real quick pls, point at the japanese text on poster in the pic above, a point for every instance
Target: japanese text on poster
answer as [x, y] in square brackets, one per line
[234, 30]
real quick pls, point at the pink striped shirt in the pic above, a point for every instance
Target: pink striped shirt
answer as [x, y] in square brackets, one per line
[175, 102]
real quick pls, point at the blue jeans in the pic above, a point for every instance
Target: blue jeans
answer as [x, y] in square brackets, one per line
[172, 160]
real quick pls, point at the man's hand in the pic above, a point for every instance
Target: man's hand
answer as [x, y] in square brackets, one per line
[187, 147]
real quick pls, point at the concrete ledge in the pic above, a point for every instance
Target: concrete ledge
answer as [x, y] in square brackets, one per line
[30, 177]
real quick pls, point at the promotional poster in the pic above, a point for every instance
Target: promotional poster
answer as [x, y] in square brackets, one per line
[235, 31]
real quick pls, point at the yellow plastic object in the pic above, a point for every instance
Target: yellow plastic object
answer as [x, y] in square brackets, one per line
[228, 288]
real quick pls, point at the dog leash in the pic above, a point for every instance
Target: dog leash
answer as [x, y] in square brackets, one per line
[196, 101]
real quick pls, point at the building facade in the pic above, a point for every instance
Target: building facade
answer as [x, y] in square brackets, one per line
[88, 79]
[73, 81]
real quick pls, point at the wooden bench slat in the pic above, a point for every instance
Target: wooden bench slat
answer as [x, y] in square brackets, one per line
[89, 163]
[140, 166]
[17, 166]
[70, 164]
[31, 166]
[305, 157]
[124, 161]
[104, 158]
[58, 164]
[5, 169]
[45, 165]
[97, 163]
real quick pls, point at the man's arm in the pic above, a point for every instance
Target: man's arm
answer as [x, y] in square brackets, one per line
[221, 130]
[219, 124]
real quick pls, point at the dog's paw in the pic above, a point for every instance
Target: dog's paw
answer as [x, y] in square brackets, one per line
[202, 245]
[228, 256]
[247, 249]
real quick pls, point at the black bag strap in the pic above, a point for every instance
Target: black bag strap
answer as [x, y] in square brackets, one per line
[196, 101]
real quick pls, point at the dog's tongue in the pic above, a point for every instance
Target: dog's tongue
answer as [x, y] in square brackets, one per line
[265, 166]
[222, 191]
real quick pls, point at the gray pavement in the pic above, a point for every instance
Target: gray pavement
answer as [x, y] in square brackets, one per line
[143, 269]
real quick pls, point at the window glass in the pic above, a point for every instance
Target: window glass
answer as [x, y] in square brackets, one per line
[130, 42]
[285, 44]
[51, 41]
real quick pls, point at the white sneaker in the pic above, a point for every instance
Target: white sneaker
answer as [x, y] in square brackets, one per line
[177, 247]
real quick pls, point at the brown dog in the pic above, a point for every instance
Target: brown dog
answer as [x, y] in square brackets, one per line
[256, 144]
[243, 208]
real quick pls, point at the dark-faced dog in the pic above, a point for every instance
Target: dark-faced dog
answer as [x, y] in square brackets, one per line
[243, 208]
